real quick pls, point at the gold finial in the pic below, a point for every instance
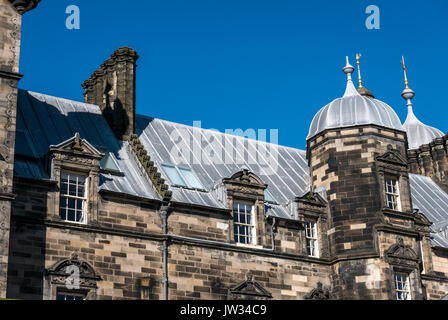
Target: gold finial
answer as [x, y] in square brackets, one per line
[358, 58]
[406, 82]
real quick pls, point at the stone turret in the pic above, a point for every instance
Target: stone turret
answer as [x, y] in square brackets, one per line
[357, 146]
[10, 31]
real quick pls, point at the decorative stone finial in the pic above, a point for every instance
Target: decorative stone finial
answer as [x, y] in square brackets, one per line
[23, 6]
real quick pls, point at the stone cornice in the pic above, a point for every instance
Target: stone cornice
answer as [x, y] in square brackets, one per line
[23, 6]
[10, 75]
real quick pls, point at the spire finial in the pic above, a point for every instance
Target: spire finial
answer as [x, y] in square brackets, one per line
[348, 70]
[358, 58]
[406, 82]
[407, 94]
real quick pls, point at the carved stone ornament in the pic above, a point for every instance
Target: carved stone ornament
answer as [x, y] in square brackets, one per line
[249, 290]
[392, 157]
[77, 146]
[61, 270]
[319, 293]
[23, 6]
[402, 255]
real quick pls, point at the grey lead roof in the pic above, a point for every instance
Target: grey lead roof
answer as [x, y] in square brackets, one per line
[43, 120]
[418, 132]
[354, 109]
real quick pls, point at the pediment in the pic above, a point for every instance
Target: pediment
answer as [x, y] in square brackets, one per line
[85, 269]
[312, 198]
[392, 157]
[401, 251]
[77, 146]
[250, 288]
[245, 177]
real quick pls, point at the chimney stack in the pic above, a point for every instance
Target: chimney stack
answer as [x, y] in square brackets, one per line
[112, 88]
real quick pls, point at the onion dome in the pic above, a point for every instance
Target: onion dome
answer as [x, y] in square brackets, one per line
[418, 132]
[354, 109]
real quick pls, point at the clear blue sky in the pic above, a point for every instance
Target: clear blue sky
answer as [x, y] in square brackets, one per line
[261, 64]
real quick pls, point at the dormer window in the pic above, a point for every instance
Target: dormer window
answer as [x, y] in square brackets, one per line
[392, 193]
[182, 177]
[72, 204]
[244, 223]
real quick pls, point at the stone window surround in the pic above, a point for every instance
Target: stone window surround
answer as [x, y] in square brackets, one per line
[78, 157]
[56, 276]
[400, 173]
[246, 187]
[91, 190]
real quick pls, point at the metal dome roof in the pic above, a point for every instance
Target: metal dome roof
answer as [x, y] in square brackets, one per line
[418, 132]
[354, 109]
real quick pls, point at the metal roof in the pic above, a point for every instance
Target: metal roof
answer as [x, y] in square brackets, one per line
[354, 109]
[418, 132]
[284, 170]
[432, 201]
[43, 120]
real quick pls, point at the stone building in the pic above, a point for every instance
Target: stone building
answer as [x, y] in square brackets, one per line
[98, 202]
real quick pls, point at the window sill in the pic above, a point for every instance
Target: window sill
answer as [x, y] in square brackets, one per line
[244, 245]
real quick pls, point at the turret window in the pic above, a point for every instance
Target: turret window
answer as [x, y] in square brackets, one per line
[73, 198]
[311, 238]
[392, 194]
[401, 283]
[244, 223]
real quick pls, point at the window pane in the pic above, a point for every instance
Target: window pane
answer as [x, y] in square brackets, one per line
[174, 176]
[191, 178]
[268, 196]
[108, 162]
[71, 215]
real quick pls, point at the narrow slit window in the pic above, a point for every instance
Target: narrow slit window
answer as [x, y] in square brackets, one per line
[72, 200]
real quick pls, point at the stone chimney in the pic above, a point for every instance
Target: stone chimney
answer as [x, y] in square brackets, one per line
[112, 88]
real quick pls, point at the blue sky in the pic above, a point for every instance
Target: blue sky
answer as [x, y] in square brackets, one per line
[244, 63]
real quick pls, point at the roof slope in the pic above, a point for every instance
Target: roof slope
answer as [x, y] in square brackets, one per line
[43, 120]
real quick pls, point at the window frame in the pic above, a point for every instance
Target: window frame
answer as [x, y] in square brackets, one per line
[395, 193]
[237, 224]
[312, 238]
[65, 196]
[406, 284]
[70, 294]
[186, 181]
